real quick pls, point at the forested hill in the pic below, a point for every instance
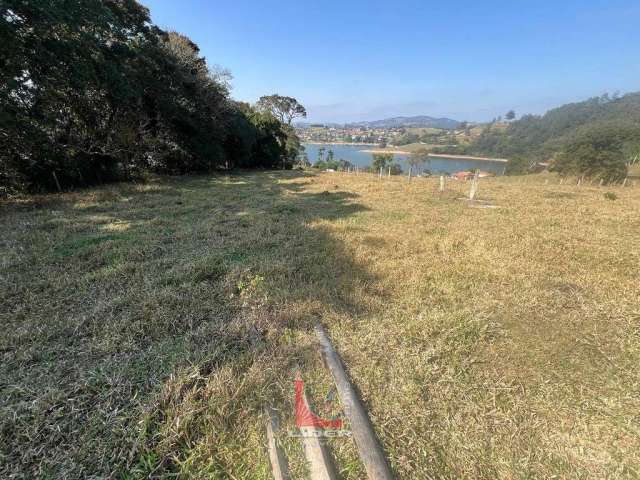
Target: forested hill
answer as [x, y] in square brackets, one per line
[541, 138]
[420, 121]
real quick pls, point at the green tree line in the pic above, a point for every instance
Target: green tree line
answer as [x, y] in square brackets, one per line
[91, 91]
[595, 138]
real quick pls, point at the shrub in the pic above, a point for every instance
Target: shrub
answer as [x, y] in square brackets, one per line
[596, 152]
[396, 169]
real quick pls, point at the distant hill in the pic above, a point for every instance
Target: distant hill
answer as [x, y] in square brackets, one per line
[421, 121]
[538, 138]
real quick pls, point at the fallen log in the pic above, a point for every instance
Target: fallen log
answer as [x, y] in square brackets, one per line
[369, 448]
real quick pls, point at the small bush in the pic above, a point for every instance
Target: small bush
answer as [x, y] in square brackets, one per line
[610, 196]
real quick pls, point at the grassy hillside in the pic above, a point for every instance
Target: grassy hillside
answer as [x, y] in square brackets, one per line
[538, 138]
[146, 326]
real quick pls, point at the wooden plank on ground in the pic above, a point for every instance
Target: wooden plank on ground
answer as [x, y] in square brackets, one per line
[319, 459]
[369, 448]
[278, 460]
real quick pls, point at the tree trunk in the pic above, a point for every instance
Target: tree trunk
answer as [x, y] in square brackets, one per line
[55, 179]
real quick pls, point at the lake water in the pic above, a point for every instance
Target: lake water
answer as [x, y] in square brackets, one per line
[356, 155]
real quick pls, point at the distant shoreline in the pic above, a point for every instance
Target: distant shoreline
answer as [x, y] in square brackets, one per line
[342, 143]
[468, 157]
[392, 150]
[399, 152]
[358, 144]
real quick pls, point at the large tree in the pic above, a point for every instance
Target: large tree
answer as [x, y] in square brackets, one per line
[91, 91]
[70, 87]
[283, 108]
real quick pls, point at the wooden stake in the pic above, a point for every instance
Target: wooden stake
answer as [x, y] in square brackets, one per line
[441, 183]
[389, 172]
[369, 448]
[278, 462]
[474, 187]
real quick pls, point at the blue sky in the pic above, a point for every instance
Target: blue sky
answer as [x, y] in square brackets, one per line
[365, 60]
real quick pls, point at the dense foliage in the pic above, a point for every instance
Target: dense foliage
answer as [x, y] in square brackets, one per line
[283, 108]
[381, 161]
[597, 152]
[560, 137]
[91, 91]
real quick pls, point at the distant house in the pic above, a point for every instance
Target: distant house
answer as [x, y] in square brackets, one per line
[541, 166]
[463, 175]
[469, 175]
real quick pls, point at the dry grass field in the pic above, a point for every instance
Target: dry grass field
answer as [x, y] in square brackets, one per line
[145, 327]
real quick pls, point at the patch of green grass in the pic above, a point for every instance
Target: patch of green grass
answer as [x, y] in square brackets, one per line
[85, 242]
[284, 209]
[554, 195]
[236, 257]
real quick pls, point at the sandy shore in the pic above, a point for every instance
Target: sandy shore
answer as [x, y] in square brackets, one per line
[467, 157]
[399, 152]
[342, 143]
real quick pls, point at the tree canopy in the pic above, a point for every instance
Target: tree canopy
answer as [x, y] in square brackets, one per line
[92, 91]
[533, 139]
[596, 152]
[283, 108]
[381, 160]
